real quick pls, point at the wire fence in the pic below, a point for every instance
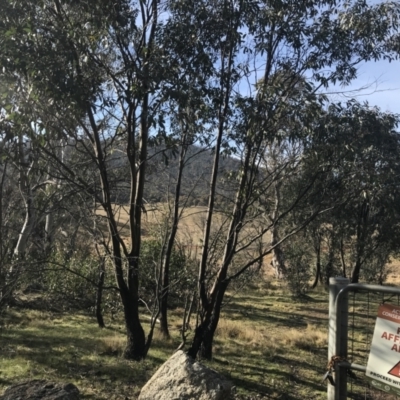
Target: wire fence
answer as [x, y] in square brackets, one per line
[362, 313]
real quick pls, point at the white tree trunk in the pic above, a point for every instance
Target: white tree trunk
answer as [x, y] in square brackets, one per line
[29, 223]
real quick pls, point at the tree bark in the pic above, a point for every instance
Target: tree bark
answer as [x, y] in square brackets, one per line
[361, 238]
[169, 247]
[99, 296]
[342, 258]
[25, 188]
[318, 277]
[136, 342]
[204, 335]
[278, 260]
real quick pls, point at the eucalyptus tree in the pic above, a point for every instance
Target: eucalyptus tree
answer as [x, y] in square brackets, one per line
[10, 212]
[366, 225]
[186, 111]
[319, 42]
[99, 74]
[358, 235]
[80, 61]
[23, 196]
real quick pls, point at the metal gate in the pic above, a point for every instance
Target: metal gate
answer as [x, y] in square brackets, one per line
[342, 325]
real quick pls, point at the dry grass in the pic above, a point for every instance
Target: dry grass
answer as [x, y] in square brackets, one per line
[243, 333]
[112, 345]
[309, 339]
[190, 225]
[190, 231]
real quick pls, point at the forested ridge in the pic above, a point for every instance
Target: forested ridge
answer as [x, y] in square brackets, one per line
[162, 171]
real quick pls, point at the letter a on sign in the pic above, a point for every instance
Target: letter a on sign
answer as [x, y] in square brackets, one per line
[395, 371]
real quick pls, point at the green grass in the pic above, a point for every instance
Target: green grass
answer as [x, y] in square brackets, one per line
[71, 348]
[266, 344]
[274, 345]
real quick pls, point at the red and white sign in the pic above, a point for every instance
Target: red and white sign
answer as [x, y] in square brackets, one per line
[384, 358]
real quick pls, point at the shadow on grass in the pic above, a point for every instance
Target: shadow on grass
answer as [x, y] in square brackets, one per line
[4, 382]
[79, 352]
[274, 317]
[73, 347]
[277, 375]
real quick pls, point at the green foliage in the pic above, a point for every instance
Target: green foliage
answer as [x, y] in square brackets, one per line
[375, 267]
[298, 267]
[71, 280]
[182, 272]
[357, 149]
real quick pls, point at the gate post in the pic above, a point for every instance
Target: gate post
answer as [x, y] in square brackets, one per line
[337, 341]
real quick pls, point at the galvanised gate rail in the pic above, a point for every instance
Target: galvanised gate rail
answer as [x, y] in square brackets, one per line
[339, 290]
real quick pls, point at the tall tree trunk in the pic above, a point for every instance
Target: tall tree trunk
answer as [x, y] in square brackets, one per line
[361, 238]
[29, 223]
[169, 247]
[342, 258]
[136, 342]
[99, 296]
[26, 190]
[204, 335]
[278, 260]
[317, 277]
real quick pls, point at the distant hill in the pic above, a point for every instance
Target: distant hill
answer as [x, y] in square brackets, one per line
[161, 176]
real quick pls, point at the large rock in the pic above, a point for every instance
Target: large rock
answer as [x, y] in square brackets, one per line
[41, 390]
[181, 378]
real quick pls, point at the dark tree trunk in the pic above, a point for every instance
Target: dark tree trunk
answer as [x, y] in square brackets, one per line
[197, 341]
[99, 296]
[342, 258]
[361, 239]
[328, 273]
[206, 346]
[136, 340]
[170, 245]
[317, 277]
[355, 276]
[164, 312]
[204, 335]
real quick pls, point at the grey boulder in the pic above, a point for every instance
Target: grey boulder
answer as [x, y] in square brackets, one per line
[182, 378]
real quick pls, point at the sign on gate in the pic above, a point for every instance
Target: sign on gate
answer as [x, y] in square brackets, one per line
[384, 358]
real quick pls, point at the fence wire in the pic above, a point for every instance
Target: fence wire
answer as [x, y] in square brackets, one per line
[363, 310]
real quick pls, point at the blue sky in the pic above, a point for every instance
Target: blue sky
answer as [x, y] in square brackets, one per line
[383, 79]
[380, 84]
